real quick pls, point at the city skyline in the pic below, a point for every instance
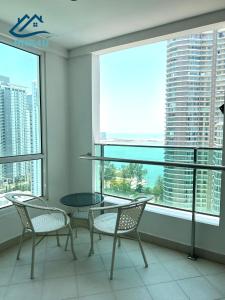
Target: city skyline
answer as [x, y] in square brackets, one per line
[116, 79]
[194, 78]
[195, 84]
[186, 111]
[20, 127]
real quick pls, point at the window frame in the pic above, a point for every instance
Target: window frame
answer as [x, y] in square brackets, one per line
[96, 97]
[43, 124]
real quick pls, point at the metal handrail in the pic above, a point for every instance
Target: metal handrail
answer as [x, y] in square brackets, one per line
[193, 166]
[157, 146]
[153, 162]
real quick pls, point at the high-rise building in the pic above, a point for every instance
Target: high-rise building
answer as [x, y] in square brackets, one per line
[20, 133]
[12, 120]
[195, 90]
[35, 140]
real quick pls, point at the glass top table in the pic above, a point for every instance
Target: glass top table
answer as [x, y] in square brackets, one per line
[82, 199]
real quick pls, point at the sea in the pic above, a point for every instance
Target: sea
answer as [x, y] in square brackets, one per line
[143, 153]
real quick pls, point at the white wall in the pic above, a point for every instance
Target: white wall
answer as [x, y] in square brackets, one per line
[57, 115]
[80, 99]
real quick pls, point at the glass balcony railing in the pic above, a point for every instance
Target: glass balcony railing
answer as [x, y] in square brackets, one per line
[172, 186]
[20, 177]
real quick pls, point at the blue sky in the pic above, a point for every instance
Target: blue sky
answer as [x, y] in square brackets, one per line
[20, 66]
[132, 89]
[132, 85]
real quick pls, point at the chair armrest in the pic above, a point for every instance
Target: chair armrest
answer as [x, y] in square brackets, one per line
[42, 200]
[104, 207]
[145, 198]
[49, 209]
[32, 197]
[10, 197]
[92, 210]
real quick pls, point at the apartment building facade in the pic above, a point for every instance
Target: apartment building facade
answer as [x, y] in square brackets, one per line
[194, 91]
[19, 134]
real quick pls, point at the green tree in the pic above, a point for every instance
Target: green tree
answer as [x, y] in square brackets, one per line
[134, 171]
[109, 171]
[139, 188]
[158, 188]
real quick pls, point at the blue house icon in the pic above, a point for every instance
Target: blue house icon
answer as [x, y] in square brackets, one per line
[26, 23]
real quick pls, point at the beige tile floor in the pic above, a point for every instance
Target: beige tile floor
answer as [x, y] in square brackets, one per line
[170, 274]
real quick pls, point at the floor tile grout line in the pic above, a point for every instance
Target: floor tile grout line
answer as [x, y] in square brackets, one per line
[98, 272]
[127, 289]
[212, 285]
[126, 251]
[202, 273]
[186, 276]
[183, 290]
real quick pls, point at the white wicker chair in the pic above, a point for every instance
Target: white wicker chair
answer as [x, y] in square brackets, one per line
[126, 220]
[50, 221]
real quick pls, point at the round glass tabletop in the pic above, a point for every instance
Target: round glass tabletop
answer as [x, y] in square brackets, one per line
[82, 199]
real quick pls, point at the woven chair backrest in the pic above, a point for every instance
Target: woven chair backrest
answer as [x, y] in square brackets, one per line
[23, 213]
[130, 216]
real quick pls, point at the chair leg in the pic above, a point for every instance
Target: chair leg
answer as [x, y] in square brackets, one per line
[113, 257]
[119, 242]
[33, 256]
[20, 245]
[71, 240]
[75, 224]
[67, 240]
[92, 242]
[142, 250]
[75, 227]
[57, 238]
[100, 236]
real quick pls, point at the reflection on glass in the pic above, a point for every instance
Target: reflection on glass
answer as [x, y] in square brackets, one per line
[19, 102]
[130, 180]
[20, 177]
[170, 186]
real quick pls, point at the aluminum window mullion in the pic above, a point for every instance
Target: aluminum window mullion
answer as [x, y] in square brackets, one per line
[20, 158]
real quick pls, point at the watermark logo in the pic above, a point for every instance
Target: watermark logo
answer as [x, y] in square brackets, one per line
[25, 23]
[27, 27]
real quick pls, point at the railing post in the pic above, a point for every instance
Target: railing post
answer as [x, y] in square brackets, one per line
[192, 254]
[102, 173]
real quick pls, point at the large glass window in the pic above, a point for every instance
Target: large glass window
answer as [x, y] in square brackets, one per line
[165, 94]
[20, 122]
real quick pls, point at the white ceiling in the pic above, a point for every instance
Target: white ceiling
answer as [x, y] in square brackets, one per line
[82, 22]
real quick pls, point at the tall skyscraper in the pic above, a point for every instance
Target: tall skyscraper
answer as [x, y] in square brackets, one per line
[195, 90]
[12, 120]
[35, 139]
[20, 133]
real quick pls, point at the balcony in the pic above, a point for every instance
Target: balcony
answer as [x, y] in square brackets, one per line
[127, 180]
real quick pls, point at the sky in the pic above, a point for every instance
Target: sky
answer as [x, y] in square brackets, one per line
[132, 85]
[20, 66]
[132, 90]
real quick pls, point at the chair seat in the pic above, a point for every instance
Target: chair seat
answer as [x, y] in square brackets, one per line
[80, 215]
[106, 223]
[49, 222]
